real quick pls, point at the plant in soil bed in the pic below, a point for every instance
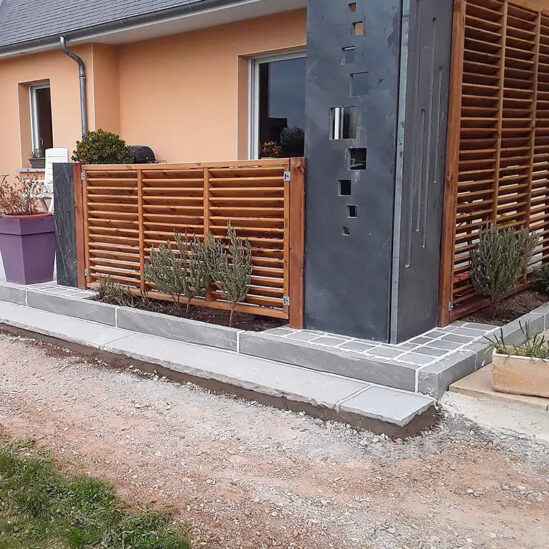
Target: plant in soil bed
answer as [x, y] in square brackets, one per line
[117, 294]
[521, 369]
[179, 271]
[540, 279]
[233, 270]
[27, 234]
[499, 261]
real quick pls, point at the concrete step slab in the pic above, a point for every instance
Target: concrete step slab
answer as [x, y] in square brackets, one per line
[328, 395]
[263, 376]
[376, 400]
[478, 385]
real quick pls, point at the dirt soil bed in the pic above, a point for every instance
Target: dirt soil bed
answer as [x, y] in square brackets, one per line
[509, 309]
[247, 476]
[241, 321]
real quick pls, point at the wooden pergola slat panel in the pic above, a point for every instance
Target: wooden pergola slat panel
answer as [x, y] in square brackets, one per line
[498, 136]
[128, 210]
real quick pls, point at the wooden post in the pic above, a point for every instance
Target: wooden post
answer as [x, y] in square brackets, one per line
[297, 242]
[79, 223]
[452, 164]
[210, 296]
[141, 229]
[206, 202]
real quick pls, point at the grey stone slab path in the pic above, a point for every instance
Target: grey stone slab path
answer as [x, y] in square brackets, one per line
[424, 350]
[425, 364]
[317, 389]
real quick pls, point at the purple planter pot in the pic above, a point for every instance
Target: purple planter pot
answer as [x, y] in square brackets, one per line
[27, 245]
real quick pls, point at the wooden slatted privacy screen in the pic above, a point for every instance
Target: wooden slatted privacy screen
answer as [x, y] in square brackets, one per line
[498, 137]
[128, 210]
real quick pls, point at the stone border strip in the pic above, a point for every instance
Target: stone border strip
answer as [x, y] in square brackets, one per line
[435, 379]
[330, 396]
[432, 379]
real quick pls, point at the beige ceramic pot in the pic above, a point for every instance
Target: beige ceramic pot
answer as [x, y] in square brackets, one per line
[520, 375]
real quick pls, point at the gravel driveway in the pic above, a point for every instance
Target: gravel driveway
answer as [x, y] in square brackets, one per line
[244, 475]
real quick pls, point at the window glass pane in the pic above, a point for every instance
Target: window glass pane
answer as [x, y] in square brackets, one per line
[282, 105]
[43, 138]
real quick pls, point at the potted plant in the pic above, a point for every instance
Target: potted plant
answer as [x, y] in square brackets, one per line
[521, 369]
[37, 159]
[27, 235]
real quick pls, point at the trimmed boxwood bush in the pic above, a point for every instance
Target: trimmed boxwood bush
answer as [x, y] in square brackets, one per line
[101, 147]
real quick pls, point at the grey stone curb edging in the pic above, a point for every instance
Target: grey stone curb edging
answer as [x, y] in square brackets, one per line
[255, 344]
[433, 379]
[382, 409]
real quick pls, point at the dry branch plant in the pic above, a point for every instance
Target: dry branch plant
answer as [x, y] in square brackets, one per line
[20, 197]
[116, 293]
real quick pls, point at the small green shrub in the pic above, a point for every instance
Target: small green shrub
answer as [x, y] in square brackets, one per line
[540, 279]
[179, 271]
[499, 260]
[101, 147]
[233, 270]
[534, 346]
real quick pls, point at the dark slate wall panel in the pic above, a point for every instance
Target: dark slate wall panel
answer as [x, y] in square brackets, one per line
[65, 225]
[349, 238]
[428, 75]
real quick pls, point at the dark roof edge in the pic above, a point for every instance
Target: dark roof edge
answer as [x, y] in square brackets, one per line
[52, 40]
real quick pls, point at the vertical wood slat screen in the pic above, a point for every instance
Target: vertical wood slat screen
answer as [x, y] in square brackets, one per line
[498, 136]
[128, 210]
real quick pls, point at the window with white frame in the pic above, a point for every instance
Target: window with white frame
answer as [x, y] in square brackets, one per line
[277, 101]
[41, 119]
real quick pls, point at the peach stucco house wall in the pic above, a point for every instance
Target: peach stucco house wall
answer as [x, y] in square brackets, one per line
[184, 95]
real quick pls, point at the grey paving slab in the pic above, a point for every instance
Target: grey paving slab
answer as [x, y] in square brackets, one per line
[60, 326]
[387, 404]
[438, 332]
[472, 332]
[430, 351]
[180, 329]
[357, 346]
[415, 358]
[421, 340]
[281, 331]
[480, 326]
[434, 379]
[74, 307]
[385, 352]
[333, 360]
[457, 338]
[447, 345]
[303, 336]
[12, 294]
[264, 376]
[328, 341]
[482, 350]
[406, 346]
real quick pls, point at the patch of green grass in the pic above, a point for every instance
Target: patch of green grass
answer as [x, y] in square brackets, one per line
[43, 508]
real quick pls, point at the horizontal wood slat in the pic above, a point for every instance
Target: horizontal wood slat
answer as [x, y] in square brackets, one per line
[498, 137]
[127, 210]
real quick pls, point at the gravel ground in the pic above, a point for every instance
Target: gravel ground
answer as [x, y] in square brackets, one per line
[244, 475]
